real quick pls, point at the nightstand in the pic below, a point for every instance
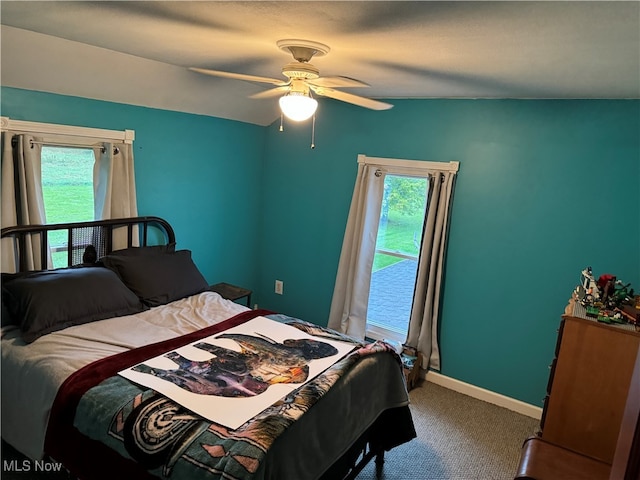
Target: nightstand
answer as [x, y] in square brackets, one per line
[231, 292]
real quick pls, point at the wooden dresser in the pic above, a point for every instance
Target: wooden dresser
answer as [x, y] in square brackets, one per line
[587, 393]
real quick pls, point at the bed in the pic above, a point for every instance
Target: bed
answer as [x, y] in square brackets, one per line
[127, 295]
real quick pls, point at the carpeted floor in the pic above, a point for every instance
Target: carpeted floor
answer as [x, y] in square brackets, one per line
[459, 438]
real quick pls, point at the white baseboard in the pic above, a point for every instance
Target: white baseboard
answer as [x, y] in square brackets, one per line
[485, 395]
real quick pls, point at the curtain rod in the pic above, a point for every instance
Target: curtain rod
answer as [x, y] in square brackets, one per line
[74, 145]
[125, 136]
[451, 166]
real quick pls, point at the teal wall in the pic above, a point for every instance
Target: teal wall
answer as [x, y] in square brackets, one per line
[203, 174]
[545, 189]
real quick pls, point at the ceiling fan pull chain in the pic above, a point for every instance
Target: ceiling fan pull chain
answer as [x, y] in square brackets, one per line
[281, 122]
[313, 132]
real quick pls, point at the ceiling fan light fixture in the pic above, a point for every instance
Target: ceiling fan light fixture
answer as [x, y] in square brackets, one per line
[298, 106]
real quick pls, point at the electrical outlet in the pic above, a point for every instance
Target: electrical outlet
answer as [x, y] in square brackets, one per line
[279, 287]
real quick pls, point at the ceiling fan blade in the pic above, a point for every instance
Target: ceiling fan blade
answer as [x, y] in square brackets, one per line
[337, 82]
[350, 98]
[238, 76]
[272, 92]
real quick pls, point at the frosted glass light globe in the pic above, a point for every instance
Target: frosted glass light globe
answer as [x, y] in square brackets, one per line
[298, 106]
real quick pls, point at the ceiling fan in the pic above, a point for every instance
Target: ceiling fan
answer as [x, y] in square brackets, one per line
[296, 101]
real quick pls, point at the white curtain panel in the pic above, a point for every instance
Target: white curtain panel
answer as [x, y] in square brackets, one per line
[351, 292]
[22, 199]
[423, 323]
[114, 187]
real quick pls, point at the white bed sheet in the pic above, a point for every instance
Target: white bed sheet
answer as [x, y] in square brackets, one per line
[32, 373]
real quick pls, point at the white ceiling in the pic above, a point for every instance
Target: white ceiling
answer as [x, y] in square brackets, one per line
[138, 52]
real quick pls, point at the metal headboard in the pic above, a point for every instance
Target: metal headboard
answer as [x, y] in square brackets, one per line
[98, 233]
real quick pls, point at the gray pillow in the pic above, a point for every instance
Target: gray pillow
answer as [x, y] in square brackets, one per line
[47, 301]
[148, 250]
[158, 279]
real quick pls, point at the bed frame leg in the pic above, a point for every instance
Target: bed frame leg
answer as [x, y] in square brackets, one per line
[379, 463]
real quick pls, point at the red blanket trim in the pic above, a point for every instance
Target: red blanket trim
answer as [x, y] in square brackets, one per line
[85, 457]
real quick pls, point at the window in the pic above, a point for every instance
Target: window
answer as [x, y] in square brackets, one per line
[67, 188]
[67, 183]
[67, 161]
[398, 221]
[395, 263]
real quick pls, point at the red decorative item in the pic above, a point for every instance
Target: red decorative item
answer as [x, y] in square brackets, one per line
[604, 279]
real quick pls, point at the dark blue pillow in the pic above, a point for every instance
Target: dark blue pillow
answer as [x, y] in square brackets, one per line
[158, 279]
[147, 250]
[47, 301]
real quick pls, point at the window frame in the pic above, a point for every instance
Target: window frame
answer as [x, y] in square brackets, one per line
[73, 133]
[409, 168]
[51, 134]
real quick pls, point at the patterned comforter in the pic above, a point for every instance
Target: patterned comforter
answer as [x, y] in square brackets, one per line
[114, 428]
